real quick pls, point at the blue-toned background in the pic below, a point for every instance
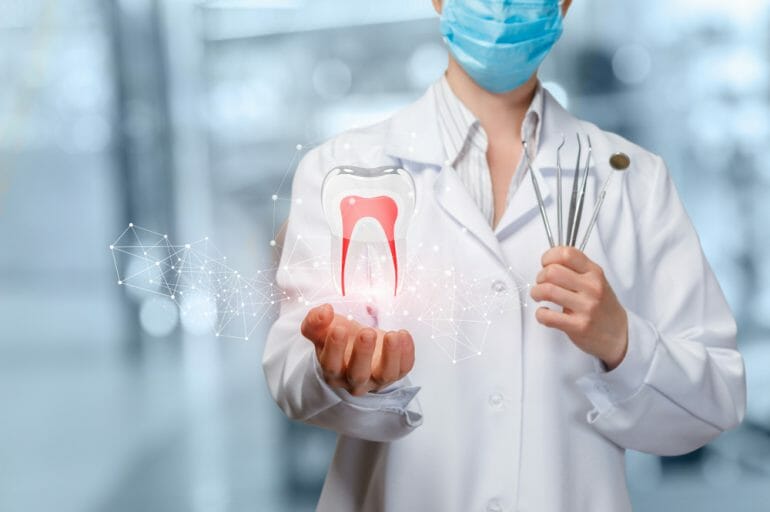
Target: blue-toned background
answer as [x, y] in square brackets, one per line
[184, 117]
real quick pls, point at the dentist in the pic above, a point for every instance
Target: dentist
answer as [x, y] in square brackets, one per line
[630, 345]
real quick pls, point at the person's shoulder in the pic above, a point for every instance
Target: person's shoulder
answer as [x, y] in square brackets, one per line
[362, 146]
[377, 143]
[609, 143]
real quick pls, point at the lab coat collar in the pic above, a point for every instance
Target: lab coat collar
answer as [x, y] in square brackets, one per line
[413, 136]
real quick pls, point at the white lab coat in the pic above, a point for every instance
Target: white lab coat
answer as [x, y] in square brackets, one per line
[533, 423]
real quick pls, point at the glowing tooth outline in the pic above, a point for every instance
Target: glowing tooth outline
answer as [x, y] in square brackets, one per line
[394, 225]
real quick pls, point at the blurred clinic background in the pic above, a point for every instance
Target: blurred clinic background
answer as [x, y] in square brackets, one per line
[185, 116]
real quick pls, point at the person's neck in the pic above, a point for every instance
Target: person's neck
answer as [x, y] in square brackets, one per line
[497, 113]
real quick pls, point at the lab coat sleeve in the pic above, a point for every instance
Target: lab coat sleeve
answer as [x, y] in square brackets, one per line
[289, 362]
[681, 382]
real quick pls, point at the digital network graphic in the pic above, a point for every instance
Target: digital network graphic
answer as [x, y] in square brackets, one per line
[367, 269]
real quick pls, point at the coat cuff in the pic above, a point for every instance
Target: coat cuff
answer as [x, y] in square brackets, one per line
[607, 388]
[395, 398]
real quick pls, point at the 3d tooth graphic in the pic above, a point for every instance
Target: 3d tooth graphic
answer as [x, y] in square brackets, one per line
[368, 210]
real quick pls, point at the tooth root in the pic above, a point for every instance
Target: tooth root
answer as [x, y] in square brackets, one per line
[392, 244]
[382, 209]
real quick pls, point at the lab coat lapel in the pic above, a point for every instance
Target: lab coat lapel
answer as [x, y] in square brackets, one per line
[413, 135]
[455, 201]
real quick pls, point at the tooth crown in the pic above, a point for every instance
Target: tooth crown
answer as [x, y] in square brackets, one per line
[368, 206]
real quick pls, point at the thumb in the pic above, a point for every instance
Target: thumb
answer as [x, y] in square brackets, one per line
[316, 324]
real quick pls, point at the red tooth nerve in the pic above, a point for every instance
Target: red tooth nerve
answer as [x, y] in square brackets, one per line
[383, 209]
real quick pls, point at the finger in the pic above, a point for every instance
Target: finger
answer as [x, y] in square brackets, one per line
[555, 319]
[390, 361]
[333, 355]
[360, 367]
[570, 257]
[558, 295]
[316, 323]
[560, 275]
[407, 353]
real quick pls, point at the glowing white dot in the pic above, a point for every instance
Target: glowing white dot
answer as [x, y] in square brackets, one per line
[299, 147]
[350, 317]
[120, 282]
[165, 236]
[454, 361]
[299, 200]
[272, 243]
[131, 224]
[173, 296]
[205, 238]
[275, 197]
[186, 246]
[112, 247]
[157, 263]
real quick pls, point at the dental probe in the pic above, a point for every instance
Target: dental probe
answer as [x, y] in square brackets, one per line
[573, 198]
[540, 202]
[579, 213]
[559, 214]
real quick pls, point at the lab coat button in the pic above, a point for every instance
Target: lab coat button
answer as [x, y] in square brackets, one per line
[499, 286]
[496, 400]
[494, 506]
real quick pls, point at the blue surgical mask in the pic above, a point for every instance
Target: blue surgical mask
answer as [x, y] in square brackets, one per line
[501, 43]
